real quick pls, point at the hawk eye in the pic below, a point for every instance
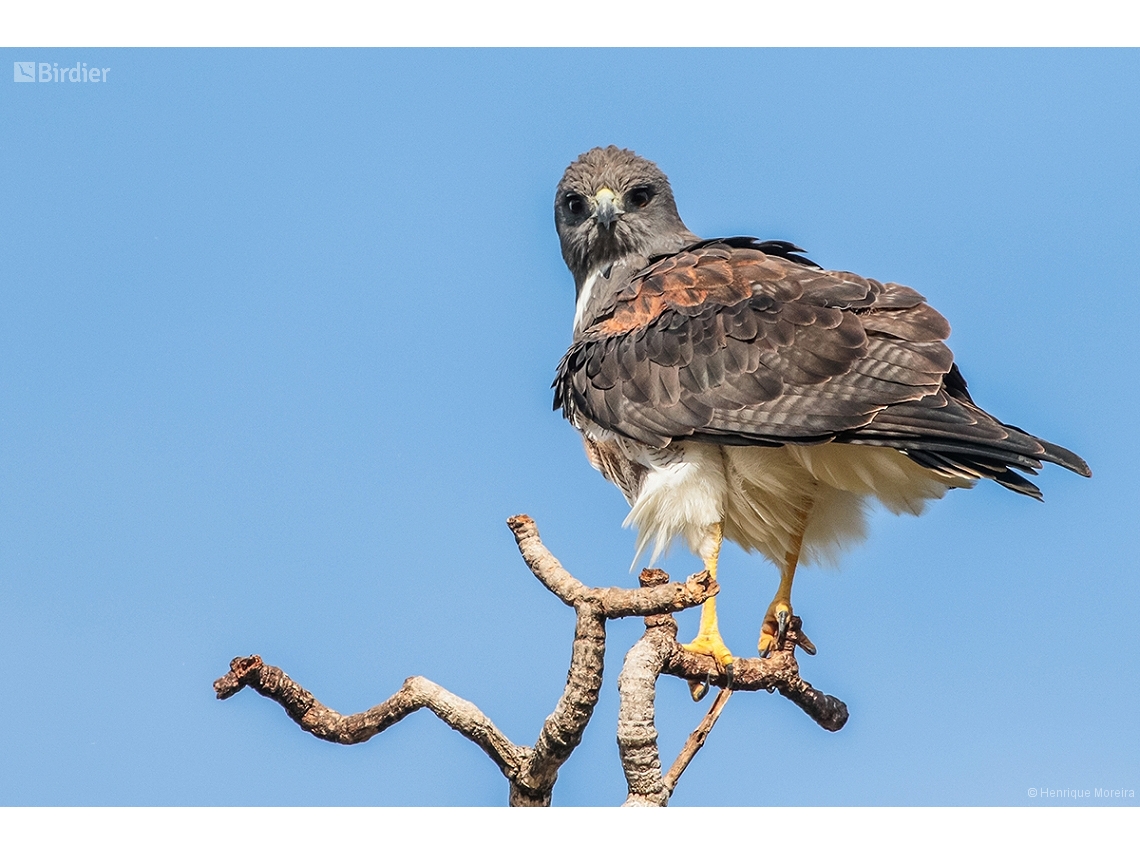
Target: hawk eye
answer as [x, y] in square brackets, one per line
[639, 197]
[575, 204]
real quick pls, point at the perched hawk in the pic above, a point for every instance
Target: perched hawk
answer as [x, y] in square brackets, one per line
[732, 388]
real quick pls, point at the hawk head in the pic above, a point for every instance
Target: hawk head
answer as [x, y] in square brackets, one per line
[611, 204]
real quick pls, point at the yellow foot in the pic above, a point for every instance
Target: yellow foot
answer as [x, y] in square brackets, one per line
[710, 644]
[774, 630]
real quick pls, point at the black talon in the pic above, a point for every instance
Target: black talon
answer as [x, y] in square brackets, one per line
[698, 690]
[781, 626]
[804, 642]
[728, 669]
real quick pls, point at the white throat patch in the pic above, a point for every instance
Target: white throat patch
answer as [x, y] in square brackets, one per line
[584, 298]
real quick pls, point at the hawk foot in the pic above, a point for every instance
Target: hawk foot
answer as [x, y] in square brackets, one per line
[710, 644]
[774, 631]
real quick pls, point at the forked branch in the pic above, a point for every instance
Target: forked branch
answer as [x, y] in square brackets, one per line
[657, 652]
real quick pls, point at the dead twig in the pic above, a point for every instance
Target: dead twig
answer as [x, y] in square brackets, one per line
[696, 740]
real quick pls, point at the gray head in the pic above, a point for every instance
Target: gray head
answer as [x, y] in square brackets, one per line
[610, 204]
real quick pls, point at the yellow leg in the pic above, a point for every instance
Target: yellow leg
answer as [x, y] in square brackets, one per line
[779, 614]
[708, 640]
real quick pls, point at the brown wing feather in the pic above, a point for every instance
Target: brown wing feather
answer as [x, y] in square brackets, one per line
[723, 342]
[729, 341]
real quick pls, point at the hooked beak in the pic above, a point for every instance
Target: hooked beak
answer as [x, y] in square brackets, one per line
[606, 209]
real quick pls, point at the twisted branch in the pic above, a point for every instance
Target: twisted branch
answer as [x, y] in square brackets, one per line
[325, 723]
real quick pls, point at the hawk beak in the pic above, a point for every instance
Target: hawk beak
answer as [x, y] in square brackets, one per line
[606, 209]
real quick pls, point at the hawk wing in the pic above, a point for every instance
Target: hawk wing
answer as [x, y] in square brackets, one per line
[742, 342]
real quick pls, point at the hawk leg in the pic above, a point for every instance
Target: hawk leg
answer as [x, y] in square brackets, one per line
[774, 629]
[708, 640]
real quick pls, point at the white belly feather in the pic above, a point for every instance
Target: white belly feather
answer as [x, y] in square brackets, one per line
[760, 494]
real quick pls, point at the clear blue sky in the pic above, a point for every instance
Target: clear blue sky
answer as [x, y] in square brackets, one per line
[276, 335]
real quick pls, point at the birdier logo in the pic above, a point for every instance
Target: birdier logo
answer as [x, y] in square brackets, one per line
[52, 72]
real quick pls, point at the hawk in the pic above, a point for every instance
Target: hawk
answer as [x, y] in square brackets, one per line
[731, 388]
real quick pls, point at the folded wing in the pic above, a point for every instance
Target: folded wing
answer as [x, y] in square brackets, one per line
[741, 342]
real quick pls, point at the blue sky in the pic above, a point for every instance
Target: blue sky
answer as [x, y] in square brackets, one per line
[277, 330]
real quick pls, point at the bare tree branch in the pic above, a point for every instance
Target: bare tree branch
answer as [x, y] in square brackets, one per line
[657, 652]
[610, 602]
[326, 723]
[636, 730]
[779, 672]
[695, 741]
[562, 731]
[532, 772]
[637, 691]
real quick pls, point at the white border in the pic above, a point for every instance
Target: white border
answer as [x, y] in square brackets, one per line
[589, 23]
[506, 832]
